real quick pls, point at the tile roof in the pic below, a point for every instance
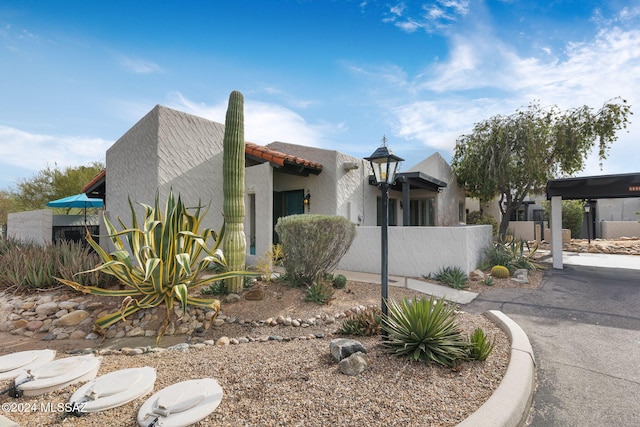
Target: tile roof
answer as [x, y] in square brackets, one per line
[101, 175]
[279, 158]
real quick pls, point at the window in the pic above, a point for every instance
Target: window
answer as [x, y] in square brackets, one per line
[421, 212]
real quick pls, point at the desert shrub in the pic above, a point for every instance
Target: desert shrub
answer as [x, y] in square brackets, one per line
[572, 215]
[453, 277]
[480, 347]
[424, 329]
[339, 281]
[273, 257]
[320, 293]
[30, 265]
[313, 245]
[480, 218]
[513, 254]
[367, 322]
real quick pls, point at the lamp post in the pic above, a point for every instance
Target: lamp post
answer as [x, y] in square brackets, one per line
[587, 210]
[384, 165]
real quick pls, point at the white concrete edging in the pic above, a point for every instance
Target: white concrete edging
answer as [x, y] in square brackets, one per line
[6, 422]
[510, 403]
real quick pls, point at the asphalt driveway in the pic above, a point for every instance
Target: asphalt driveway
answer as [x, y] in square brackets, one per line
[584, 325]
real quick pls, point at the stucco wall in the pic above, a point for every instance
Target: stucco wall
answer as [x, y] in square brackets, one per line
[414, 251]
[617, 229]
[617, 209]
[259, 183]
[32, 226]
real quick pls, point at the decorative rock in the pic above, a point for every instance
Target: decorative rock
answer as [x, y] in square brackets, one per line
[231, 298]
[71, 319]
[354, 364]
[76, 335]
[94, 336]
[34, 325]
[21, 323]
[520, 276]
[179, 347]
[67, 305]
[476, 275]
[47, 308]
[222, 341]
[217, 322]
[61, 313]
[342, 348]
[254, 295]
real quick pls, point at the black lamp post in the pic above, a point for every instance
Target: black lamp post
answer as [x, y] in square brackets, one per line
[587, 211]
[385, 165]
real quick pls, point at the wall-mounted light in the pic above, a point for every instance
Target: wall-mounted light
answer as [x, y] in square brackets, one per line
[307, 200]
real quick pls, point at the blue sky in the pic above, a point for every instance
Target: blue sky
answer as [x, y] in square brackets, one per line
[335, 74]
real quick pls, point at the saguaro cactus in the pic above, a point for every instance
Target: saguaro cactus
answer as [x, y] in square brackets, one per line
[234, 241]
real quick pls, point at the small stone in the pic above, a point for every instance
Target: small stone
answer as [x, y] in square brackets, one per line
[77, 335]
[254, 294]
[61, 313]
[217, 322]
[62, 336]
[222, 341]
[295, 323]
[22, 323]
[354, 364]
[93, 336]
[71, 319]
[342, 348]
[231, 298]
[67, 305]
[47, 308]
[179, 347]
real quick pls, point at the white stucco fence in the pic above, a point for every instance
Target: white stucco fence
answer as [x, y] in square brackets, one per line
[414, 251]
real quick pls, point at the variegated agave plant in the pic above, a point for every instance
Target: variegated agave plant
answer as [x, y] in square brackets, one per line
[161, 262]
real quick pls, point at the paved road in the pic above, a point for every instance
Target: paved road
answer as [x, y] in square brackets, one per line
[584, 325]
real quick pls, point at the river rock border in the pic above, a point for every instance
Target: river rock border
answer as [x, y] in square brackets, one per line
[30, 315]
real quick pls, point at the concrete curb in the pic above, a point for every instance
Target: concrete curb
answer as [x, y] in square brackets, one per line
[509, 405]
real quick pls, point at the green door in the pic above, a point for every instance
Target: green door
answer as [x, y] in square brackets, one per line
[286, 203]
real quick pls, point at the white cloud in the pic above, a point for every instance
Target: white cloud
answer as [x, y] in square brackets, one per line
[484, 76]
[36, 151]
[140, 66]
[266, 122]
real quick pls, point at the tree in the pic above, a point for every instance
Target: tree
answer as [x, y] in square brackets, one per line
[52, 184]
[509, 157]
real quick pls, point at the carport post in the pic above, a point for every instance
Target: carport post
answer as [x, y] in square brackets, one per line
[556, 231]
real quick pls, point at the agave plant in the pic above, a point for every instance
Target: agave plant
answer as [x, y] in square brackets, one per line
[161, 261]
[424, 329]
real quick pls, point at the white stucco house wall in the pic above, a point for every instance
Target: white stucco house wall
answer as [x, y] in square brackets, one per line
[169, 149]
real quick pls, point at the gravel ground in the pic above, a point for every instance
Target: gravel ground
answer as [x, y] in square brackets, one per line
[297, 383]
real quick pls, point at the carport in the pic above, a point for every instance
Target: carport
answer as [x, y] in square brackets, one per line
[585, 188]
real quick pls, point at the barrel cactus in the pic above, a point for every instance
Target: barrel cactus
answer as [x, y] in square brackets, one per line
[233, 189]
[500, 271]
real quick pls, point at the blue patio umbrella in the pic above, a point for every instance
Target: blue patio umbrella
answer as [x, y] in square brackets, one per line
[78, 201]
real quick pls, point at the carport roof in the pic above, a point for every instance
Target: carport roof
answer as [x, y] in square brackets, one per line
[595, 187]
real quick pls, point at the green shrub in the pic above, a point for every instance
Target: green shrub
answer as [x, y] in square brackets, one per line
[313, 245]
[424, 329]
[367, 322]
[479, 218]
[572, 215]
[339, 281]
[320, 293]
[453, 277]
[479, 345]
